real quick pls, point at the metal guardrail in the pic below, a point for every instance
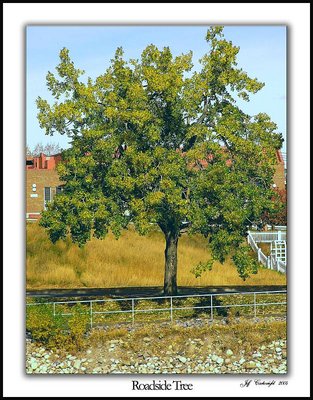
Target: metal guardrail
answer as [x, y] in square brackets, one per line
[132, 309]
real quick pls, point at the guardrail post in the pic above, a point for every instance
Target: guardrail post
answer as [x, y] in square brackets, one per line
[54, 309]
[133, 311]
[171, 309]
[254, 305]
[91, 314]
[211, 307]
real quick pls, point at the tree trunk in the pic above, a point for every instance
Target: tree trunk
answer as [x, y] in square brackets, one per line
[170, 275]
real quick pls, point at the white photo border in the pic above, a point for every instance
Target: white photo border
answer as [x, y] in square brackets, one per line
[15, 18]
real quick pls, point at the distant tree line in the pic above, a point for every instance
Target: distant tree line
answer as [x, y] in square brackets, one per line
[48, 149]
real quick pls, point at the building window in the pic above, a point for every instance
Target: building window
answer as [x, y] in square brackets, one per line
[50, 192]
[47, 196]
[47, 193]
[59, 189]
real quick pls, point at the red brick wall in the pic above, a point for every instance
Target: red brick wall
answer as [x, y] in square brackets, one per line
[44, 162]
[279, 175]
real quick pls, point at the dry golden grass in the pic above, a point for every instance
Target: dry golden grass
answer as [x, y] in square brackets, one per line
[265, 247]
[132, 260]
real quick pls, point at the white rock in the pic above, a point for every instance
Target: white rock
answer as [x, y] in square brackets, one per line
[34, 365]
[278, 350]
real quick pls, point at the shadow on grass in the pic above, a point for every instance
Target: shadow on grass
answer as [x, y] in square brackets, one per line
[148, 291]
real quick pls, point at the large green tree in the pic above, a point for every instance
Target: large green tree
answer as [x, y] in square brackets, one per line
[154, 142]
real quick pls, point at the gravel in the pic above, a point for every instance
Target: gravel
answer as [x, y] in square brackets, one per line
[266, 360]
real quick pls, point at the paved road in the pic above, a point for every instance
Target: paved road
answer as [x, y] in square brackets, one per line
[144, 291]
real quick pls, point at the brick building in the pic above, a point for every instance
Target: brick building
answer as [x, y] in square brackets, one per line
[279, 177]
[42, 183]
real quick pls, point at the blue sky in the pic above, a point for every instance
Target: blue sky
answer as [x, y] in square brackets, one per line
[262, 54]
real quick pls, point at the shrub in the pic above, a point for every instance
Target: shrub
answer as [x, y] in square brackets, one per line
[78, 325]
[60, 332]
[41, 323]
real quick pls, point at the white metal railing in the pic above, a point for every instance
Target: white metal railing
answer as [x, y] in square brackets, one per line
[270, 261]
[280, 227]
[279, 250]
[132, 310]
[252, 242]
[262, 258]
[281, 266]
[277, 265]
[268, 237]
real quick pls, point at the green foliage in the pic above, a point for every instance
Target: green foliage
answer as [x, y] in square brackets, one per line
[78, 325]
[154, 142]
[277, 213]
[202, 267]
[245, 262]
[41, 322]
[57, 332]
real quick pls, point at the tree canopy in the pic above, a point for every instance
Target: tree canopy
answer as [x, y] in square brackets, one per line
[154, 141]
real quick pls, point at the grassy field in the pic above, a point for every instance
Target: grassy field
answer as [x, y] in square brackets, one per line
[132, 260]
